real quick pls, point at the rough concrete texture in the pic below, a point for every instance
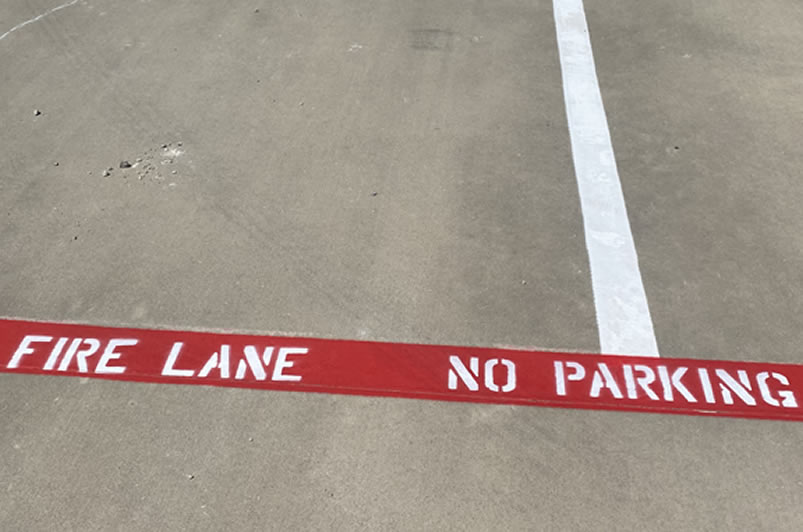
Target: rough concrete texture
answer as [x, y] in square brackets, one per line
[392, 171]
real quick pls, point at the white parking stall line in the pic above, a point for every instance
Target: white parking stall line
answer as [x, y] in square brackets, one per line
[623, 315]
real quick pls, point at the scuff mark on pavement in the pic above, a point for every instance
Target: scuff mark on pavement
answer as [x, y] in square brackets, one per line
[38, 17]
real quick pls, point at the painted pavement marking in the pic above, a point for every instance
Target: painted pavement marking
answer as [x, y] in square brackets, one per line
[623, 315]
[435, 372]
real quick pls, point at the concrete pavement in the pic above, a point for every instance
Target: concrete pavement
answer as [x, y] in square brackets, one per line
[393, 171]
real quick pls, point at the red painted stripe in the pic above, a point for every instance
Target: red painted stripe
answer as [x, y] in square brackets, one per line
[471, 374]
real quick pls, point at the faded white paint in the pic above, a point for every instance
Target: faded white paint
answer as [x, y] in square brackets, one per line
[623, 316]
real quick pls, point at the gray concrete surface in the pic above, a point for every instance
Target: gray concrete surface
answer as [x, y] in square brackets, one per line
[392, 171]
[705, 114]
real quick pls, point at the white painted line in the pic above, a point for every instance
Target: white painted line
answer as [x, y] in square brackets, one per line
[623, 316]
[39, 17]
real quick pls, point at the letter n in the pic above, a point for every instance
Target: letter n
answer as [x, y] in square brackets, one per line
[469, 378]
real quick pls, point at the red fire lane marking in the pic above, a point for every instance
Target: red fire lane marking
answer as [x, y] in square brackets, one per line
[470, 374]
